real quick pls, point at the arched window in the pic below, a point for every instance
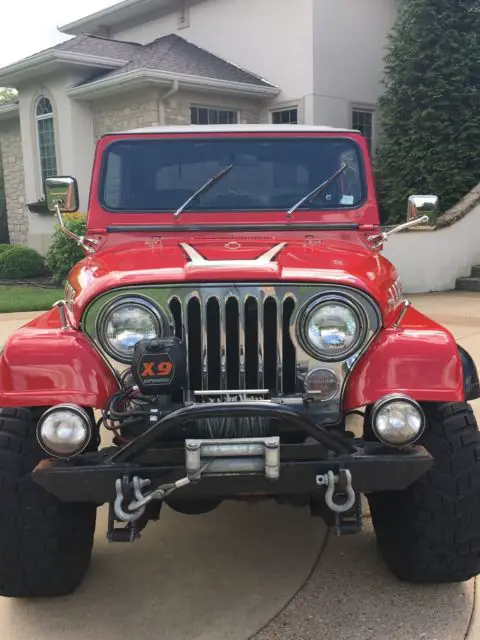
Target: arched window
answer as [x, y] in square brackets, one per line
[46, 138]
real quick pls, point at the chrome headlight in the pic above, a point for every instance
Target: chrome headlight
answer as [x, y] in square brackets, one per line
[126, 322]
[332, 328]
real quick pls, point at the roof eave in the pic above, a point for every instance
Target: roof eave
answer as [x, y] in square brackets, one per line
[8, 111]
[115, 84]
[111, 16]
[21, 71]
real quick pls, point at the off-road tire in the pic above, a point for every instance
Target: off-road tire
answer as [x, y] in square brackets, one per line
[430, 533]
[45, 544]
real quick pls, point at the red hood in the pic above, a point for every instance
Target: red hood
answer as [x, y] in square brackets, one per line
[207, 259]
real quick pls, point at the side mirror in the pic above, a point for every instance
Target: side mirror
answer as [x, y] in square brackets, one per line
[62, 191]
[423, 206]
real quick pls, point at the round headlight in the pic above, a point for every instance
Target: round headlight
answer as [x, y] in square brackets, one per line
[398, 420]
[124, 324]
[64, 431]
[332, 330]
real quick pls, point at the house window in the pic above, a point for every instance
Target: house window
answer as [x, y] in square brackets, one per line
[285, 116]
[362, 120]
[46, 138]
[212, 115]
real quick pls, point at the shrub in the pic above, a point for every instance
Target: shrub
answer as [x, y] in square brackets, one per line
[18, 262]
[4, 247]
[64, 253]
[430, 110]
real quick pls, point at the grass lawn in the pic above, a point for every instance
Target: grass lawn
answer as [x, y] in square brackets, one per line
[27, 298]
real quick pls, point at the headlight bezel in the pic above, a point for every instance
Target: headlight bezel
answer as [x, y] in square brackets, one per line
[158, 317]
[312, 306]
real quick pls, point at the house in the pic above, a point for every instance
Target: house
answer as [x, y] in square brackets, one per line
[161, 62]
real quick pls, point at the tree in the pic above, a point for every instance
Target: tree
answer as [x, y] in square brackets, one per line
[6, 95]
[430, 109]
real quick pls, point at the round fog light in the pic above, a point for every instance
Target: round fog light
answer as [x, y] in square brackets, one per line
[322, 383]
[64, 430]
[398, 420]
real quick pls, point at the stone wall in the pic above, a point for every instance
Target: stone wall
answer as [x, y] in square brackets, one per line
[13, 174]
[146, 109]
[177, 108]
[125, 112]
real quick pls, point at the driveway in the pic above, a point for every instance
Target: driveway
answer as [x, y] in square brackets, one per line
[242, 571]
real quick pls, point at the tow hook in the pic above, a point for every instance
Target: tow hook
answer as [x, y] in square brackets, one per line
[344, 480]
[136, 507]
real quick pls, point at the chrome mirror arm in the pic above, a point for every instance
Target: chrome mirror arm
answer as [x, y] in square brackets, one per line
[80, 240]
[381, 237]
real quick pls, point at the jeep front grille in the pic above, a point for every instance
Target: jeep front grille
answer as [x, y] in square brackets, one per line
[236, 340]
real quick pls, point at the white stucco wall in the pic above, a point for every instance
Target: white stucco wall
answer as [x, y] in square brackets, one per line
[348, 49]
[270, 38]
[433, 260]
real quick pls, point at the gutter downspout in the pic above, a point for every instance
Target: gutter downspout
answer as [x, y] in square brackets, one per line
[162, 102]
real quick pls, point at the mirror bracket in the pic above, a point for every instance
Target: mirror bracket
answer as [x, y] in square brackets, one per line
[381, 237]
[80, 240]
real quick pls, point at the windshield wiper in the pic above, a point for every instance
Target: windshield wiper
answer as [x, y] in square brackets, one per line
[205, 187]
[316, 192]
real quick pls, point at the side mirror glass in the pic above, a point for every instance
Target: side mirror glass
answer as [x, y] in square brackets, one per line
[62, 190]
[421, 206]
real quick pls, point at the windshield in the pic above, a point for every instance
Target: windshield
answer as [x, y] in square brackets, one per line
[267, 174]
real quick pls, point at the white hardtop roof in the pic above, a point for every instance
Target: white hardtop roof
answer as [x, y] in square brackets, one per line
[238, 128]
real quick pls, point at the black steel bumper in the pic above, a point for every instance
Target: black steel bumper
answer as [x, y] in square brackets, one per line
[91, 477]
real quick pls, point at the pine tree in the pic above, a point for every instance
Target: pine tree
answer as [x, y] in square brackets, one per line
[430, 109]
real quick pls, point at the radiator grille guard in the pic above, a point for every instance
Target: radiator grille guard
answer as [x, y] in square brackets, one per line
[242, 338]
[236, 340]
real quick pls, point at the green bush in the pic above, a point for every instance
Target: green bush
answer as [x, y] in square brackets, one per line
[64, 253]
[430, 109]
[18, 262]
[4, 247]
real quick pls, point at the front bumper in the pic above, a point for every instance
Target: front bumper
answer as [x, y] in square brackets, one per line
[91, 477]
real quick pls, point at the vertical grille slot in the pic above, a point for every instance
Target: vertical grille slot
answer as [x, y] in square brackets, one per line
[194, 340]
[213, 344]
[176, 309]
[270, 343]
[232, 331]
[251, 343]
[289, 376]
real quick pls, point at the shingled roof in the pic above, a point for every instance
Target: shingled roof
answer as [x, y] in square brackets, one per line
[171, 54]
[101, 47]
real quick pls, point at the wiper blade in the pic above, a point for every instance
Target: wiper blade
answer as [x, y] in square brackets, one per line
[316, 192]
[205, 187]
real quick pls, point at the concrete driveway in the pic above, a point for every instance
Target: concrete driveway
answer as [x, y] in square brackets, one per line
[262, 572]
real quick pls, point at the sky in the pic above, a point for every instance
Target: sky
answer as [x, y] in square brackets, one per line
[28, 26]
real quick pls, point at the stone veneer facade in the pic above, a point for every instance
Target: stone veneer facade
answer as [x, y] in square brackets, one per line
[125, 112]
[147, 109]
[13, 174]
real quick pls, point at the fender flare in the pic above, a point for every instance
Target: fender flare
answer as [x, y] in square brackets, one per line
[471, 383]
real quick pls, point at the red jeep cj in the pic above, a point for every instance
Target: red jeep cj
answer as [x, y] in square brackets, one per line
[232, 311]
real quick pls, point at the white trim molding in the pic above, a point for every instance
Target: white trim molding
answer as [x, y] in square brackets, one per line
[117, 83]
[31, 66]
[9, 110]
[117, 14]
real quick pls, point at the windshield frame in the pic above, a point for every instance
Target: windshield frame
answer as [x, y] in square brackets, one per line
[253, 137]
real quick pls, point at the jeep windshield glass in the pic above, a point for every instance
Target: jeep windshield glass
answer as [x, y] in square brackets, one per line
[267, 174]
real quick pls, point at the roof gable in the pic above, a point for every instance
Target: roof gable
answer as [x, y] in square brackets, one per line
[174, 54]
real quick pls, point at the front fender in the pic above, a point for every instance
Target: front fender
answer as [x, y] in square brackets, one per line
[43, 364]
[420, 359]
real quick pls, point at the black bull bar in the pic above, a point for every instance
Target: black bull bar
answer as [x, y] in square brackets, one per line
[90, 477]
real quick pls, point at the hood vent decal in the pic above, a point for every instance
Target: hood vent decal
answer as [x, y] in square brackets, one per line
[197, 260]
